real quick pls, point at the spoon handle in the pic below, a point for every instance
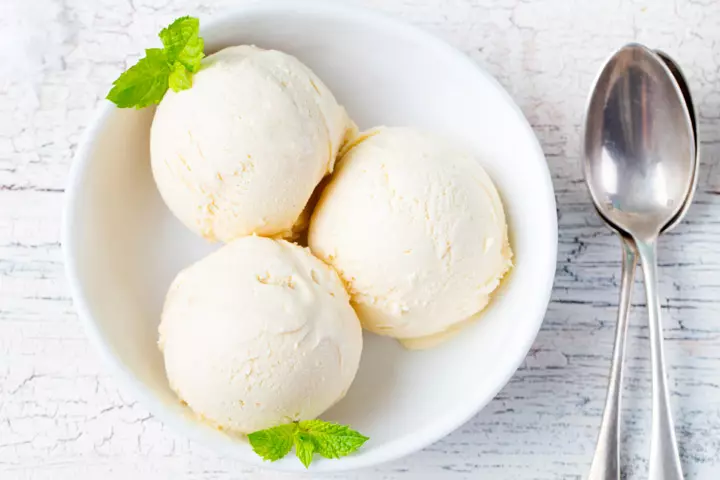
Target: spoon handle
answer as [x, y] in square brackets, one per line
[664, 456]
[606, 461]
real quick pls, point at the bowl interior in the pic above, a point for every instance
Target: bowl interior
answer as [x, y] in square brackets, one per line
[124, 246]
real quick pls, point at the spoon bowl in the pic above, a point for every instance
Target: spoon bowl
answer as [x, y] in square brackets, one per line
[687, 96]
[638, 138]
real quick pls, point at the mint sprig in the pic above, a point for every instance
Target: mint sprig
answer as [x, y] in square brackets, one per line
[172, 66]
[330, 440]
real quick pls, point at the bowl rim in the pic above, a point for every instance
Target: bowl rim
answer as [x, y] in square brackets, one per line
[429, 433]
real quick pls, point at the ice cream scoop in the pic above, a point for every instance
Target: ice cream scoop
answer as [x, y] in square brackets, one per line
[257, 334]
[241, 151]
[416, 229]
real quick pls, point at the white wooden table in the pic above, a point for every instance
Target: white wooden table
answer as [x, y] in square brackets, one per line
[63, 417]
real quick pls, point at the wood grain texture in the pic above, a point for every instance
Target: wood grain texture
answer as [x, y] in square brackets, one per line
[63, 417]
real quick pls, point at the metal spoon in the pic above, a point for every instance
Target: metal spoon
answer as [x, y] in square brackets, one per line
[640, 166]
[606, 460]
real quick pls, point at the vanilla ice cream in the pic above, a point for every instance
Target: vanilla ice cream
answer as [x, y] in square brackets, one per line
[416, 229]
[243, 149]
[259, 333]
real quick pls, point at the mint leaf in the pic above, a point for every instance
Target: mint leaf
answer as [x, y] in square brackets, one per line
[183, 43]
[180, 78]
[143, 84]
[172, 66]
[332, 440]
[304, 448]
[273, 443]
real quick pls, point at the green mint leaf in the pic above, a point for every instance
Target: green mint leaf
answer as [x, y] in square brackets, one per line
[182, 42]
[192, 54]
[332, 440]
[273, 443]
[146, 82]
[304, 448]
[143, 84]
[180, 78]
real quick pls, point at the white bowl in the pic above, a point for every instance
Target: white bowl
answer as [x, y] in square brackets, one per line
[123, 247]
